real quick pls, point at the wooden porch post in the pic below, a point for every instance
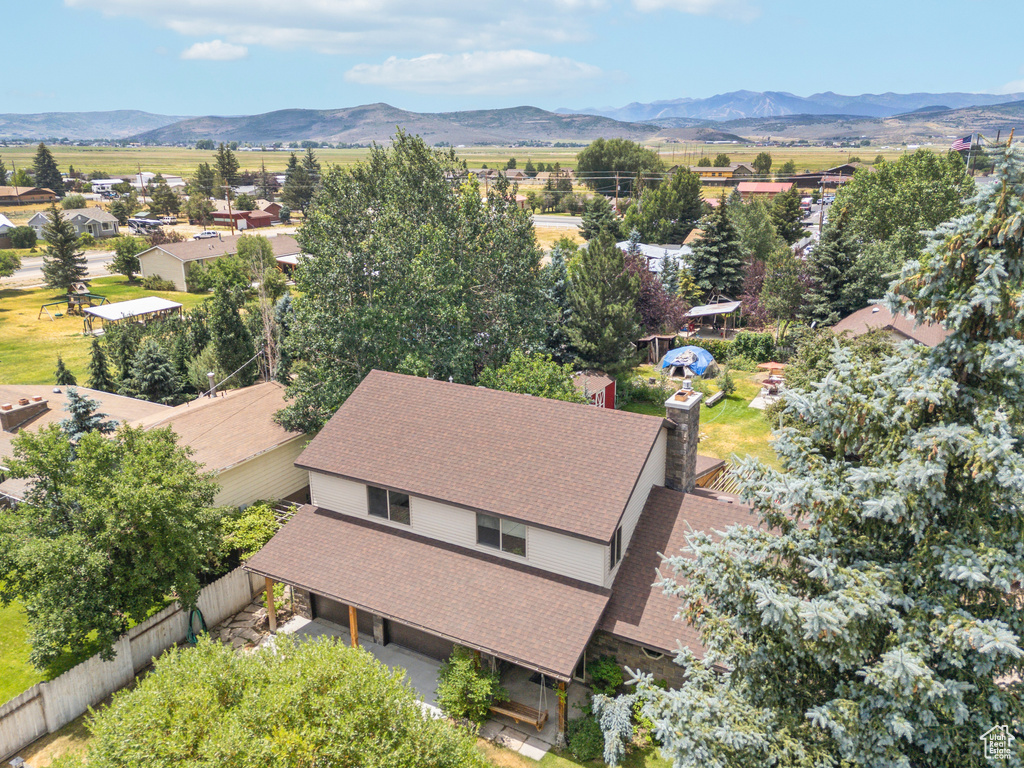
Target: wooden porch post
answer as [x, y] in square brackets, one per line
[561, 707]
[271, 610]
[353, 626]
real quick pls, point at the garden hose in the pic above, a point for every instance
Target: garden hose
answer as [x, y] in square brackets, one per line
[191, 635]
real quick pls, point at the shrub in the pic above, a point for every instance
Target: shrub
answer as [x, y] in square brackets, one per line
[759, 347]
[639, 390]
[464, 689]
[586, 742]
[720, 349]
[86, 240]
[725, 382]
[247, 531]
[742, 363]
[73, 202]
[157, 283]
[605, 675]
[285, 214]
[23, 237]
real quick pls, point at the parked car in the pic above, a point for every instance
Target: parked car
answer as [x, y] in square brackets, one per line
[205, 234]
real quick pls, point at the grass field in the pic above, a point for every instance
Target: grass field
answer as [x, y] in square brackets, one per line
[29, 346]
[730, 426]
[179, 161]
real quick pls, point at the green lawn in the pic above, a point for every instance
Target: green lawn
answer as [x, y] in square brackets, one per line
[729, 426]
[29, 345]
[503, 758]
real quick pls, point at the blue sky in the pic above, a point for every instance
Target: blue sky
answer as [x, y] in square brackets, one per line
[197, 57]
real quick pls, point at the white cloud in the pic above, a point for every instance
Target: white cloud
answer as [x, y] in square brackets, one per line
[1016, 86]
[741, 10]
[215, 50]
[478, 73]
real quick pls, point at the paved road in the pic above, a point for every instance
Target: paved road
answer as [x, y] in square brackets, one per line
[561, 222]
[31, 272]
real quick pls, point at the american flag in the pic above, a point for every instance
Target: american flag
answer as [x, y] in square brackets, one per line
[961, 144]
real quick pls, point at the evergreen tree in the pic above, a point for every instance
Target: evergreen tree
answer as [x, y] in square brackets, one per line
[84, 418]
[528, 169]
[3, 173]
[604, 325]
[873, 619]
[297, 192]
[163, 200]
[556, 285]
[717, 259]
[670, 273]
[786, 215]
[284, 316]
[63, 263]
[47, 174]
[598, 217]
[828, 267]
[99, 370]
[227, 169]
[266, 185]
[63, 376]
[312, 166]
[123, 340]
[153, 376]
[232, 341]
[202, 183]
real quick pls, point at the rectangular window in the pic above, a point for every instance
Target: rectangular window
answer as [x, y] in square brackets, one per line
[616, 548]
[388, 505]
[501, 534]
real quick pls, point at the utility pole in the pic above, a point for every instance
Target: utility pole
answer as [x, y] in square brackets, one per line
[142, 186]
[231, 218]
[616, 193]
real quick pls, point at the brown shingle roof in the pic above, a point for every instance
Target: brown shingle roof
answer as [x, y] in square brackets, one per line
[211, 248]
[590, 382]
[230, 428]
[557, 465]
[118, 408]
[638, 611]
[515, 612]
[875, 316]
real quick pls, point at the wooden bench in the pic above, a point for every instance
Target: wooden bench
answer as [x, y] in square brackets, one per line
[521, 713]
[714, 398]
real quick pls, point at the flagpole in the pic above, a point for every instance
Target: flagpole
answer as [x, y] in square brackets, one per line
[970, 147]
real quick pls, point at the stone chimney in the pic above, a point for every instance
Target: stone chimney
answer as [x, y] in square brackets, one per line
[683, 410]
[13, 415]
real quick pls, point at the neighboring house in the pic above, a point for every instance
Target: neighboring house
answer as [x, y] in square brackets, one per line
[242, 219]
[514, 174]
[6, 225]
[33, 406]
[235, 436]
[597, 387]
[273, 209]
[105, 185]
[145, 179]
[527, 529]
[696, 234]
[93, 221]
[877, 316]
[26, 195]
[655, 254]
[721, 175]
[764, 189]
[172, 261]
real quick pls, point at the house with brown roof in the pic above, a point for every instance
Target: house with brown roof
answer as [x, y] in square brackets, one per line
[234, 435]
[900, 326]
[524, 528]
[172, 261]
[26, 195]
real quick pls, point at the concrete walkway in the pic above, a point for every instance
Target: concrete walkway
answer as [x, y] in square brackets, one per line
[422, 673]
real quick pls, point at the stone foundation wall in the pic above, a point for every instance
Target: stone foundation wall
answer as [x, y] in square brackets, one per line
[301, 604]
[632, 656]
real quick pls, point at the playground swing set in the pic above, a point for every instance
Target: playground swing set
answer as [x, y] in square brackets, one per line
[75, 303]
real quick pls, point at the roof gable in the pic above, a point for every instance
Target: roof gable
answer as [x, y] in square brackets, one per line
[563, 466]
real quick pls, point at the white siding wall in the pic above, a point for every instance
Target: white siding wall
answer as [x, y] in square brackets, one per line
[548, 550]
[270, 476]
[169, 268]
[653, 474]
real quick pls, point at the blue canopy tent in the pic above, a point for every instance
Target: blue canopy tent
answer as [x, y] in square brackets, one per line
[696, 359]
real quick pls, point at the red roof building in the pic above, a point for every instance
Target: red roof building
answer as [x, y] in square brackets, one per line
[768, 189]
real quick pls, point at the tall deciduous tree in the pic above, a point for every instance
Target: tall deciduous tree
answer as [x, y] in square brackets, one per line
[63, 264]
[783, 289]
[786, 215]
[667, 213]
[756, 227]
[874, 618]
[406, 273]
[605, 323]
[602, 160]
[47, 174]
[721, 160]
[126, 518]
[717, 259]
[232, 342]
[224, 708]
[763, 163]
[9, 262]
[126, 255]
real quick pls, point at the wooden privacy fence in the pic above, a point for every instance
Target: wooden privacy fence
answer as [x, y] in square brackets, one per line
[48, 706]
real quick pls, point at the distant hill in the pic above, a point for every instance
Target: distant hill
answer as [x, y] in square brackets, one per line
[82, 126]
[377, 122]
[742, 104]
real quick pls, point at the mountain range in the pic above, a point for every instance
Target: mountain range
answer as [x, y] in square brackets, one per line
[737, 116]
[742, 104]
